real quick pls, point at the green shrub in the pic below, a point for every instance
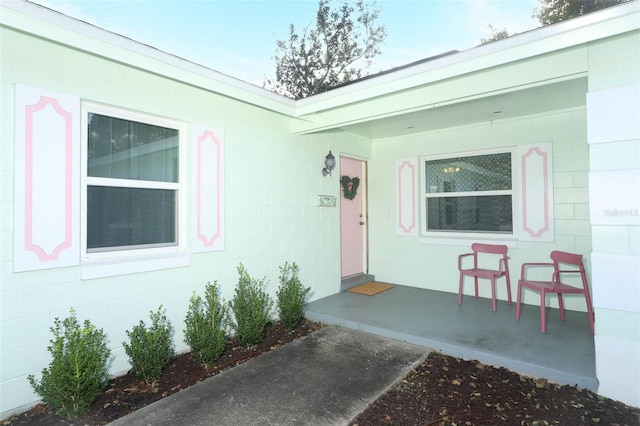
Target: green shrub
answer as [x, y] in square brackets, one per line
[291, 296]
[206, 325]
[251, 307]
[149, 350]
[78, 371]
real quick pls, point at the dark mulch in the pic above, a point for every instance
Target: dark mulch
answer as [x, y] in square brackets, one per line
[125, 394]
[450, 391]
[441, 391]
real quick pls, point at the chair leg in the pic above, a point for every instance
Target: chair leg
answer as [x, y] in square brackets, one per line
[587, 297]
[561, 306]
[493, 294]
[518, 306]
[543, 312]
[509, 289]
[475, 280]
[460, 290]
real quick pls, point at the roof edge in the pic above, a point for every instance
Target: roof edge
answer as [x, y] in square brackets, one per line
[539, 41]
[28, 17]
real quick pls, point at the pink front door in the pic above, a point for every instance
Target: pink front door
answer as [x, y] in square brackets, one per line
[352, 218]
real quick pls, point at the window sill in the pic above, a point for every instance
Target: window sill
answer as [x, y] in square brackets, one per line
[467, 241]
[91, 269]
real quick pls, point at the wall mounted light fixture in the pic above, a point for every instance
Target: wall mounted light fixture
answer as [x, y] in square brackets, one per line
[329, 164]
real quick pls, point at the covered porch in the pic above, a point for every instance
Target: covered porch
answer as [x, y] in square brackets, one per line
[433, 319]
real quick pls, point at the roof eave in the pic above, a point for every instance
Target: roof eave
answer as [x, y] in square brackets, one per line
[48, 24]
[597, 25]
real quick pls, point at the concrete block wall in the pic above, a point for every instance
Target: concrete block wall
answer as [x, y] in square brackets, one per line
[271, 180]
[403, 259]
[613, 111]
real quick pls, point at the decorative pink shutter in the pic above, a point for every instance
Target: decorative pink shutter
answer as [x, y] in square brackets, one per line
[536, 192]
[208, 189]
[406, 197]
[47, 179]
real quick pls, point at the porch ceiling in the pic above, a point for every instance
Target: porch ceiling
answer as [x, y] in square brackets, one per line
[528, 101]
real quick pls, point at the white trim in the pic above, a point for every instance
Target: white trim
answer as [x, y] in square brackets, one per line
[511, 243]
[130, 183]
[424, 196]
[135, 264]
[116, 262]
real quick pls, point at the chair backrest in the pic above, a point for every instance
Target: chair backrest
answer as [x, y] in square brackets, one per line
[568, 258]
[564, 258]
[489, 248]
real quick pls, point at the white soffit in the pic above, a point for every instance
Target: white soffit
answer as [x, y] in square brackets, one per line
[527, 101]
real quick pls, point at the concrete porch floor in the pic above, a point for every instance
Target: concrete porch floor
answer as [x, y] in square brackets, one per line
[433, 319]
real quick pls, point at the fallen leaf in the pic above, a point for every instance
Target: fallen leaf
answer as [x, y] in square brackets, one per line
[541, 383]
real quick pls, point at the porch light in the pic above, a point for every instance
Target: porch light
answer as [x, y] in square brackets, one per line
[329, 164]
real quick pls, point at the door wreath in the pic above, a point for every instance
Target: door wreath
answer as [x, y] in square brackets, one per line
[349, 186]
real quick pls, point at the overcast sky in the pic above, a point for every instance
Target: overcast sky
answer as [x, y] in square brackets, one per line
[238, 37]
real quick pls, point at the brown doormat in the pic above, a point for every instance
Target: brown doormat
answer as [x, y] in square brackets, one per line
[370, 288]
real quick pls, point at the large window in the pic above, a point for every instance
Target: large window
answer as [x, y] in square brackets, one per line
[132, 181]
[469, 194]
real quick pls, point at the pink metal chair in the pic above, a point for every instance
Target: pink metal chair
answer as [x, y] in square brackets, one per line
[499, 253]
[563, 264]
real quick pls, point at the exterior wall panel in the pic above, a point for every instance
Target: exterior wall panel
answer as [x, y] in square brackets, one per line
[272, 177]
[271, 180]
[613, 108]
[402, 259]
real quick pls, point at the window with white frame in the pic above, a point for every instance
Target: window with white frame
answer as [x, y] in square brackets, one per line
[133, 182]
[470, 194]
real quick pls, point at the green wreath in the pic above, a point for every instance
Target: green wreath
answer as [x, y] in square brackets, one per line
[349, 186]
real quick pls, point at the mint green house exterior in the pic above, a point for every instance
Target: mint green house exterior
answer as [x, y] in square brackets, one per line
[564, 100]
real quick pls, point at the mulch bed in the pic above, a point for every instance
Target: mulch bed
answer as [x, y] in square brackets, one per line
[125, 394]
[441, 391]
[450, 391]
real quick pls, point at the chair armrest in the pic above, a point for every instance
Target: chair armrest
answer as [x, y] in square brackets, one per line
[462, 256]
[525, 266]
[556, 274]
[502, 264]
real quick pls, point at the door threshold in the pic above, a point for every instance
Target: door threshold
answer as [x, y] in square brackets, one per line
[354, 280]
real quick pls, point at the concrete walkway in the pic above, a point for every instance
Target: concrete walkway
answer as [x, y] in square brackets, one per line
[326, 378]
